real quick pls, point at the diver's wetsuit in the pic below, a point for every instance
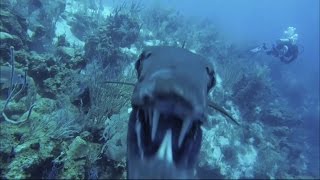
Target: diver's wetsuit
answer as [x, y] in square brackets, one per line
[290, 55]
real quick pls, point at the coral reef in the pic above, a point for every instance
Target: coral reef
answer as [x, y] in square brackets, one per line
[78, 124]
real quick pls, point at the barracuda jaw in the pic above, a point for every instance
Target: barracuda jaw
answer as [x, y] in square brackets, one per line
[162, 144]
[162, 134]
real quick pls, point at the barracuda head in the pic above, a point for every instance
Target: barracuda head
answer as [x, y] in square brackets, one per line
[169, 105]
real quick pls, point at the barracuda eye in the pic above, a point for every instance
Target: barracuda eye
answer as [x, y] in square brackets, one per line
[143, 56]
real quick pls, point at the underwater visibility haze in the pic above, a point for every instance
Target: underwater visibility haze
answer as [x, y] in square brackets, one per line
[210, 89]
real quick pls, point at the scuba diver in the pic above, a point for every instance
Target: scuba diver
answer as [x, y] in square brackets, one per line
[285, 48]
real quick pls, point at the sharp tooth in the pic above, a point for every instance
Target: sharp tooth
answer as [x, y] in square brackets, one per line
[165, 149]
[138, 132]
[155, 121]
[185, 128]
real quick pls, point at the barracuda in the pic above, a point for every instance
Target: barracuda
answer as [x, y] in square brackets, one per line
[169, 105]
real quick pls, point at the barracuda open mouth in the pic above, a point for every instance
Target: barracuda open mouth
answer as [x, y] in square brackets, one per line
[165, 139]
[164, 134]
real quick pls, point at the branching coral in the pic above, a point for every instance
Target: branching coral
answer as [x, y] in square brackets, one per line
[14, 90]
[249, 92]
[105, 99]
[119, 30]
